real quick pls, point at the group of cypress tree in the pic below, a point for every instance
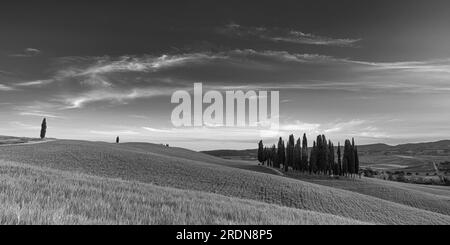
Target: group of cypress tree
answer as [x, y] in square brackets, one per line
[323, 158]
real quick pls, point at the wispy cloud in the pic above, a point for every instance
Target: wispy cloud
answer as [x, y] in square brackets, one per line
[28, 52]
[355, 128]
[39, 114]
[6, 88]
[145, 63]
[34, 83]
[25, 126]
[300, 126]
[126, 78]
[284, 35]
[155, 130]
[340, 126]
[114, 132]
[118, 96]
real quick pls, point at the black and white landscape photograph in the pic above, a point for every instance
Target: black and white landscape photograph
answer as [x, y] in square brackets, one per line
[261, 113]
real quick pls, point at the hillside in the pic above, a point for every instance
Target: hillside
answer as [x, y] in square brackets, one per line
[34, 195]
[188, 170]
[432, 198]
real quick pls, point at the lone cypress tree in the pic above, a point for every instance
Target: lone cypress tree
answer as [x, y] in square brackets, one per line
[117, 140]
[43, 128]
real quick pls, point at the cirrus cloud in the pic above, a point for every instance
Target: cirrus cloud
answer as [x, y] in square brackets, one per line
[284, 35]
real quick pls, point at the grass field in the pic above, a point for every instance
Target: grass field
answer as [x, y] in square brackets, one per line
[432, 198]
[163, 167]
[34, 195]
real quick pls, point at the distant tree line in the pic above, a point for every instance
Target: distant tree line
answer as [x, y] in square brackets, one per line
[323, 158]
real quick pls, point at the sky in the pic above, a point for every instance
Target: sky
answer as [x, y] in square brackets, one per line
[378, 71]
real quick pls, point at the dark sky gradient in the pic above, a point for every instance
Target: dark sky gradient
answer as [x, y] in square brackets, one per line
[392, 30]
[375, 70]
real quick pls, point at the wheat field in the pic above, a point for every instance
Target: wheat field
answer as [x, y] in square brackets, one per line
[32, 195]
[190, 180]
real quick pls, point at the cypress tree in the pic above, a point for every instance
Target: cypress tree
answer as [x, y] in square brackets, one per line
[351, 163]
[325, 153]
[356, 160]
[117, 140]
[331, 163]
[265, 155]
[313, 159]
[297, 155]
[260, 151]
[322, 154]
[290, 152]
[304, 163]
[349, 158]
[281, 153]
[43, 128]
[274, 156]
[345, 159]
[317, 151]
[339, 159]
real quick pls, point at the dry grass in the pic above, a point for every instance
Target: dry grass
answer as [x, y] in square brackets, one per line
[35, 195]
[171, 167]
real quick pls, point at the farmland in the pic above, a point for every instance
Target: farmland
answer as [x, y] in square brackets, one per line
[31, 195]
[135, 167]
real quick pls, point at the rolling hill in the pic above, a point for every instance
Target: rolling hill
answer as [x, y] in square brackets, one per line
[36, 195]
[165, 167]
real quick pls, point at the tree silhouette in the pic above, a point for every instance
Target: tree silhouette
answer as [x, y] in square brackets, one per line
[43, 128]
[117, 140]
[297, 155]
[304, 163]
[339, 159]
[290, 152]
[356, 160]
[348, 159]
[313, 159]
[322, 154]
[331, 163]
[260, 151]
[281, 153]
[322, 157]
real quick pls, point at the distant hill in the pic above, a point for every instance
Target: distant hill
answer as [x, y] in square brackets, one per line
[249, 154]
[428, 148]
[432, 148]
